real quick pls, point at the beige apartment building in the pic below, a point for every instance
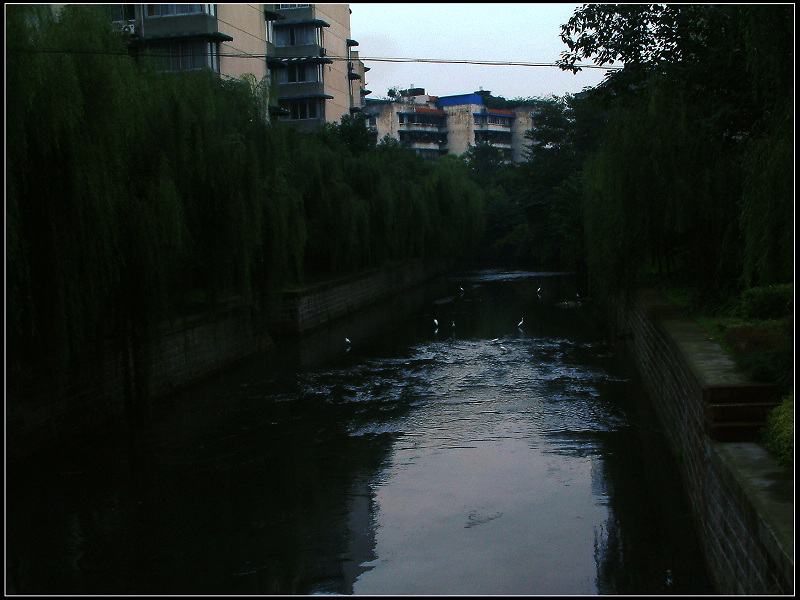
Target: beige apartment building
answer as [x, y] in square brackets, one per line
[306, 50]
[433, 126]
[312, 58]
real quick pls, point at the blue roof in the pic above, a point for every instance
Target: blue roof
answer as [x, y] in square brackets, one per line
[460, 99]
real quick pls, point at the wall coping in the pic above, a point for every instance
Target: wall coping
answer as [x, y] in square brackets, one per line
[768, 489]
[706, 359]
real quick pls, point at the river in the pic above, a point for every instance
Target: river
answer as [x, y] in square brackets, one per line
[446, 448]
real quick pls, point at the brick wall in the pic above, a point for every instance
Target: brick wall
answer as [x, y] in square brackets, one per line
[741, 547]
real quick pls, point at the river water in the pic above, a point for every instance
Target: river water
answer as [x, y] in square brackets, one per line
[482, 456]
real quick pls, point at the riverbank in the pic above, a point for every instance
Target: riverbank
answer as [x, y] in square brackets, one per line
[40, 412]
[742, 501]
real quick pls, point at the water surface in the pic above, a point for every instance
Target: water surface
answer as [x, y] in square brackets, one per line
[472, 457]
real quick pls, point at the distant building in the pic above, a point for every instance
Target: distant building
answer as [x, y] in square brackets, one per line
[414, 119]
[433, 126]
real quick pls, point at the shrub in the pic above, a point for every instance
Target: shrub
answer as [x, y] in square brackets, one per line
[767, 302]
[778, 433]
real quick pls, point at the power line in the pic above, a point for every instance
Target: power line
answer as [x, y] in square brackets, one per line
[501, 63]
[496, 63]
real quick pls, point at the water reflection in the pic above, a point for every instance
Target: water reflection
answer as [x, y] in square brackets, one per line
[479, 458]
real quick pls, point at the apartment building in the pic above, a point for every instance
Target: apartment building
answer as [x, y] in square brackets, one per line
[433, 126]
[306, 49]
[313, 59]
[413, 118]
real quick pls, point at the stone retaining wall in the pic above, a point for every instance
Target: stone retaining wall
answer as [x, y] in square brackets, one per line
[311, 307]
[41, 412]
[743, 502]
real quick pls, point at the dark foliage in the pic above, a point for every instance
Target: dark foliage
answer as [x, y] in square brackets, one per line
[135, 195]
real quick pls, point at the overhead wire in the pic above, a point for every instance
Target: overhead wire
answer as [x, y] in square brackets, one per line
[243, 54]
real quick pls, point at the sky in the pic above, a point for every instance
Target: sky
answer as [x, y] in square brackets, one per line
[522, 32]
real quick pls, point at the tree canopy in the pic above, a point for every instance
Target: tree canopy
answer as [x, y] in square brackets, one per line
[134, 195]
[694, 168]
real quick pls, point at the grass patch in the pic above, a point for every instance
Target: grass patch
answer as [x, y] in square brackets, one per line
[756, 330]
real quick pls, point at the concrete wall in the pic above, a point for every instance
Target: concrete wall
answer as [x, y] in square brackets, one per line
[460, 127]
[337, 83]
[246, 25]
[520, 126]
[742, 502]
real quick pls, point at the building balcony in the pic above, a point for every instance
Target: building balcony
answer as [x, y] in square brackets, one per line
[423, 146]
[302, 89]
[501, 139]
[300, 51]
[196, 25]
[419, 127]
[492, 127]
[299, 13]
[425, 138]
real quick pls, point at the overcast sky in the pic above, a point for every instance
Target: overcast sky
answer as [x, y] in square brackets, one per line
[525, 32]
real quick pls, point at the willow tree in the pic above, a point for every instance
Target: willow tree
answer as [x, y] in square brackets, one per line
[695, 137]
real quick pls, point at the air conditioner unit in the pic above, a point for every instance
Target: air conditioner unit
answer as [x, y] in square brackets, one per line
[322, 52]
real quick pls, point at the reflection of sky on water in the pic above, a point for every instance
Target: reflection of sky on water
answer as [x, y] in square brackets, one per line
[480, 458]
[478, 499]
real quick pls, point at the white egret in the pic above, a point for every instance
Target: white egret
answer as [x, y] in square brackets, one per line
[520, 322]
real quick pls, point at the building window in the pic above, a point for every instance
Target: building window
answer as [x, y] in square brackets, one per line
[185, 55]
[270, 32]
[298, 35]
[287, 6]
[422, 119]
[121, 12]
[429, 153]
[171, 10]
[493, 137]
[492, 120]
[300, 73]
[303, 108]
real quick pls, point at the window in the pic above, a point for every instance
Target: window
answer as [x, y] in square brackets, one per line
[303, 108]
[270, 32]
[422, 119]
[493, 120]
[300, 73]
[171, 10]
[298, 35]
[429, 153]
[121, 12]
[285, 6]
[185, 55]
[493, 137]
